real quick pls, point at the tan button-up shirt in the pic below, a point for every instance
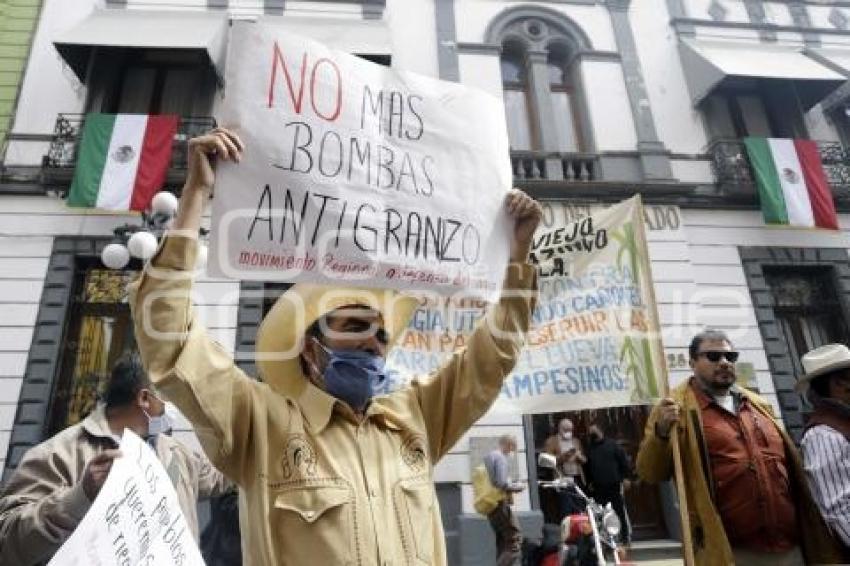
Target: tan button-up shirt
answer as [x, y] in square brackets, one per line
[317, 487]
[44, 500]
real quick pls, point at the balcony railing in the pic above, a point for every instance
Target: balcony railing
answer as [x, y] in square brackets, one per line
[731, 166]
[67, 134]
[538, 165]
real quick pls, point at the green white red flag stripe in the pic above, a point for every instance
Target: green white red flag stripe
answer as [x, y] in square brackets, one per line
[792, 185]
[123, 160]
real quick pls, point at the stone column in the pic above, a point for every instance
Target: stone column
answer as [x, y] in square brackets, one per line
[755, 10]
[447, 59]
[373, 9]
[540, 98]
[273, 7]
[654, 157]
[801, 18]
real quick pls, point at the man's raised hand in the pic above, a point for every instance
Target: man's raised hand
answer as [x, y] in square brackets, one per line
[219, 143]
[526, 214]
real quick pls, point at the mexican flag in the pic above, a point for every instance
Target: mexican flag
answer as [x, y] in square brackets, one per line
[122, 160]
[792, 185]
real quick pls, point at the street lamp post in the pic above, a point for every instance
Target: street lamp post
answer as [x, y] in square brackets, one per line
[141, 241]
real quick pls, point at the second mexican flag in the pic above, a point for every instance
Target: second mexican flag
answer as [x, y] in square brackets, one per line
[793, 188]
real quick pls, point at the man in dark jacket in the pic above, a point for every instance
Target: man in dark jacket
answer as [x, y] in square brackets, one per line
[607, 471]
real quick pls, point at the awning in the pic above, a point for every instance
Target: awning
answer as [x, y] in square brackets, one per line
[711, 64]
[358, 37]
[145, 29]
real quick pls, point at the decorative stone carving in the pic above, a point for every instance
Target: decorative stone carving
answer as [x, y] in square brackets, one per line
[755, 9]
[838, 18]
[717, 11]
[537, 27]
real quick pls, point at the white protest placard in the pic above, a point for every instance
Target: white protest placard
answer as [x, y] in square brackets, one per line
[357, 172]
[594, 339]
[135, 520]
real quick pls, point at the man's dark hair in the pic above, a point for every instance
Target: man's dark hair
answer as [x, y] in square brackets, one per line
[709, 335]
[127, 379]
[820, 384]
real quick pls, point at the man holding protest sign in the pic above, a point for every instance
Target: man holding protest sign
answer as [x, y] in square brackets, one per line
[744, 481]
[57, 481]
[330, 475]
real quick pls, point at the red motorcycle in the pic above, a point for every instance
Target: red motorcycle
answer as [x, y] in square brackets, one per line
[586, 539]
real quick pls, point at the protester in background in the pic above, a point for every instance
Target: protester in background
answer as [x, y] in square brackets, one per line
[826, 442]
[221, 539]
[744, 482]
[608, 471]
[502, 519]
[570, 459]
[57, 481]
[331, 471]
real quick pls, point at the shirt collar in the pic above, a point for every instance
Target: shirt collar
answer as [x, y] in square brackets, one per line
[96, 424]
[704, 399]
[318, 409]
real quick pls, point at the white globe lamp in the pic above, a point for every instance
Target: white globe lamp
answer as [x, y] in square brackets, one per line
[164, 203]
[142, 245]
[115, 256]
[203, 254]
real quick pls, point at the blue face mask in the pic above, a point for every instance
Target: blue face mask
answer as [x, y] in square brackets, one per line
[353, 376]
[158, 424]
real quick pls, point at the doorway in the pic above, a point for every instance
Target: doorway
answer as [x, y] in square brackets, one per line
[625, 425]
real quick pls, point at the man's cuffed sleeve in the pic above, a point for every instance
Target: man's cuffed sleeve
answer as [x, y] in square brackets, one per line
[461, 391]
[38, 511]
[655, 456]
[189, 368]
[211, 482]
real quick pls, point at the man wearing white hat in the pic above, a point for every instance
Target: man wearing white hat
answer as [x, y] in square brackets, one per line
[826, 442]
[328, 474]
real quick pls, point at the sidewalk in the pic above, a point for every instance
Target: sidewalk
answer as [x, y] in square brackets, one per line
[655, 553]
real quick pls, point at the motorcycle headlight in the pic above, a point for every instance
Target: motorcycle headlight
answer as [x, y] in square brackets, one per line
[611, 522]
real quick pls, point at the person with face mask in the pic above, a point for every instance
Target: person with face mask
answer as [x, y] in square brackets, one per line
[57, 481]
[334, 469]
[570, 458]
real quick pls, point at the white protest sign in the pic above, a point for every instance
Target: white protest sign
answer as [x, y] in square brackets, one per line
[358, 172]
[135, 520]
[594, 339]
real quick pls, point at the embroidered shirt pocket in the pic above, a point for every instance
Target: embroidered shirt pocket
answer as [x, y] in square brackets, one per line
[318, 521]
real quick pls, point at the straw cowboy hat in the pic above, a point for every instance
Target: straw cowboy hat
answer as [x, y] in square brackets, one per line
[821, 361]
[280, 337]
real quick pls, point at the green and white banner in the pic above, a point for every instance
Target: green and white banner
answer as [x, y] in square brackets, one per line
[594, 340]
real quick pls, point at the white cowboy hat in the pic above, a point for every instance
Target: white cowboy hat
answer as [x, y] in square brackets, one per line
[280, 337]
[823, 360]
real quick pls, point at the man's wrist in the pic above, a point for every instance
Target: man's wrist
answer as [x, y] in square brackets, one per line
[659, 435]
[194, 189]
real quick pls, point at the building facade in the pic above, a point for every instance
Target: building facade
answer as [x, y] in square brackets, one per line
[603, 99]
[17, 25]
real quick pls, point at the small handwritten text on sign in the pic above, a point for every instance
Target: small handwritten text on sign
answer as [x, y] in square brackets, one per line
[135, 520]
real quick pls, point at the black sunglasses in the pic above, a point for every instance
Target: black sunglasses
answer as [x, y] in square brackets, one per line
[714, 357]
